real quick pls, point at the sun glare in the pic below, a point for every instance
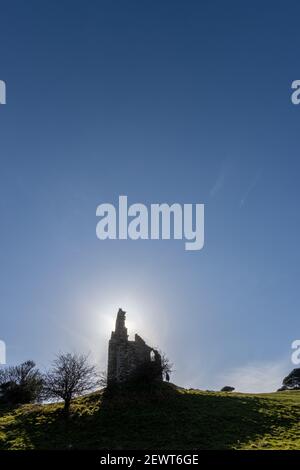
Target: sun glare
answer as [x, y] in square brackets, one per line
[141, 316]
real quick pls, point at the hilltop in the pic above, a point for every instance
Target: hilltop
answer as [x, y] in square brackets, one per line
[168, 418]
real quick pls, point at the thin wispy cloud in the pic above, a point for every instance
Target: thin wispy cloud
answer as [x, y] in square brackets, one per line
[254, 181]
[218, 185]
[256, 377]
[220, 180]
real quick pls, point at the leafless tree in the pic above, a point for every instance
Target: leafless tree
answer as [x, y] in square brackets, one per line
[103, 378]
[166, 366]
[71, 375]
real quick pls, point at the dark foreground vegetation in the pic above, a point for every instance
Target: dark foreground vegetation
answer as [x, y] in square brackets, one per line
[161, 417]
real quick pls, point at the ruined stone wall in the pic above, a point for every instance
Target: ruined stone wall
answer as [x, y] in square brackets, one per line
[125, 356]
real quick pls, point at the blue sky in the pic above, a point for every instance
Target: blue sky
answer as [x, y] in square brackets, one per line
[164, 101]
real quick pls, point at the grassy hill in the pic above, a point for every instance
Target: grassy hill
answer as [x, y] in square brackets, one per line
[169, 418]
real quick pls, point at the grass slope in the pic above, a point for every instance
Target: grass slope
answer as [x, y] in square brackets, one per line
[167, 419]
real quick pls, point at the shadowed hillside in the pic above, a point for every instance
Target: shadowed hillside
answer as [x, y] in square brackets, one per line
[166, 418]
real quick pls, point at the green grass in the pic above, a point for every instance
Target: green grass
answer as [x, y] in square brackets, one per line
[167, 419]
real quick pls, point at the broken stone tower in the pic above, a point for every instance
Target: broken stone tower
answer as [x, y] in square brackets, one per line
[125, 356]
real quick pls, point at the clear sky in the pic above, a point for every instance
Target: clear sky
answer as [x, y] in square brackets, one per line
[163, 101]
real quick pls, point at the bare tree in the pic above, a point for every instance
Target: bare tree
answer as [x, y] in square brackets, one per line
[70, 376]
[103, 378]
[166, 366]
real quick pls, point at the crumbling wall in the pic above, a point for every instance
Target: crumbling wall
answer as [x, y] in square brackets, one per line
[125, 356]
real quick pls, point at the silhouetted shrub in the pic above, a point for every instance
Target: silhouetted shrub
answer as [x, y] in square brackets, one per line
[227, 388]
[292, 381]
[21, 384]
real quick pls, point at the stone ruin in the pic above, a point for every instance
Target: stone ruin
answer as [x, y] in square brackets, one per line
[125, 356]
